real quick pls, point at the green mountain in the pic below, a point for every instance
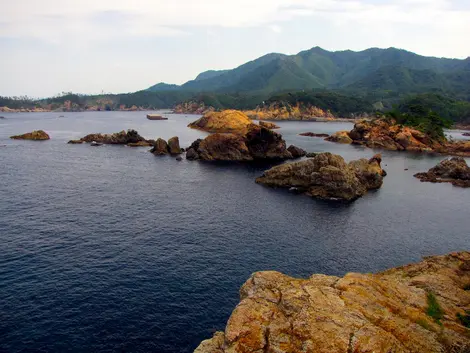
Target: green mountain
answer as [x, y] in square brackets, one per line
[366, 71]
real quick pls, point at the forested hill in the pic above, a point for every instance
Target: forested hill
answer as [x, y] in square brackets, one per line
[367, 71]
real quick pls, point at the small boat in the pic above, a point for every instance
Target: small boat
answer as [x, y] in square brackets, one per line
[96, 144]
[156, 117]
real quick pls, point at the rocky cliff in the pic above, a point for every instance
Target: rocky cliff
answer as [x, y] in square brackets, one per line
[382, 133]
[418, 308]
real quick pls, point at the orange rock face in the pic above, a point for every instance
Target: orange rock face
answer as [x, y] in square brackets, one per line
[361, 313]
[232, 121]
[276, 111]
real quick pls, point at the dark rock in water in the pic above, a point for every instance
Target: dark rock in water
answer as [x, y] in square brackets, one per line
[258, 143]
[118, 138]
[454, 170]
[2, 117]
[141, 144]
[327, 176]
[312, 134]
[75, 142]
[466, 134]
[38, 135]
[311, 154]
[179, 158]
[174, 145]
[296, 152]
[160, 147]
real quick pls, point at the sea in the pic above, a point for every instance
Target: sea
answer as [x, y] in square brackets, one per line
[113, 249]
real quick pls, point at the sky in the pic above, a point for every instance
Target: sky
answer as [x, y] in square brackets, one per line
[115, 46]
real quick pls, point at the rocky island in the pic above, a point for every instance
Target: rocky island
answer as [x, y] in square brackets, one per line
[327, 176]
[387, 134]
[417, 308]
[226, 121]
[37, 135]
[129, 137]
[454, 170]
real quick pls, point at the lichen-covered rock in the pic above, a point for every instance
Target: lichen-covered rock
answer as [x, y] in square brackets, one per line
[160, 147]
[268, 125]
[266, 144]
[454, 170]
[232, 121]
[340, 137]
[174, 145]
[118, 138]
[327, 176]
[360, 313]
[37, 135]
[296, 152]
[224, 147]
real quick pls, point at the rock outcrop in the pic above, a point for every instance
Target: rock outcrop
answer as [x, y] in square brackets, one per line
[174, 145]
[454, 170]
[140, 144]
[285, 111]
[327, 176]
[312, 134]
[258, 143]
[340, 137]
[417, 308]
[37, 135]
[160, 147]
[268, 125]
[385, 134]
[296, 152]
[75, 142]
[192, 108]
[232, 121]
[118, 138]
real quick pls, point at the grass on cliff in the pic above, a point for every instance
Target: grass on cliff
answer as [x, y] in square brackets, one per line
[464, 319]
[434, 309]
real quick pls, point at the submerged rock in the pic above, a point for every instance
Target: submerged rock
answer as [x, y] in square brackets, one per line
[413, 309]
[312, 134]
[232, 121]
[454, 170]
[268, 125]
[258, 143]
[37, 135]
[466, 134]
[75, 142]
[327, 176]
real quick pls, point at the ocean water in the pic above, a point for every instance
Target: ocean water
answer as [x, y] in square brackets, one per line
[112, 249]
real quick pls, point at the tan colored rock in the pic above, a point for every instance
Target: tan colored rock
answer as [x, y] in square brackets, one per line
[224, 147]
[140, 144]
[327, 176]
[232, 121]
[340, 137]
[268, 125]
[360, 313]
[160, 147]
[174, 145]
[37, 135]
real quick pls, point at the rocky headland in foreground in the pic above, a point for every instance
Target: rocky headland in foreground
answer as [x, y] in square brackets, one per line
[328, 176]
[417, 308]
[382, 133]
[454, 170]
[37, 135]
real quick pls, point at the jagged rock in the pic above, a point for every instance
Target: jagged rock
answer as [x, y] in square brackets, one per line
[160, 147]
[118, 138]
[312, 134]
[257, 144]
[174, 145]
[75, 142]
[340, 137]
[361, 313]
[296, 152]
[232, 121]
[37, 135]
[311, 154]
[327, 176]
[268, 125]
[454, 170]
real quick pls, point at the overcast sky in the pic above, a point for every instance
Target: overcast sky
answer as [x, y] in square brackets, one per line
[90, 46]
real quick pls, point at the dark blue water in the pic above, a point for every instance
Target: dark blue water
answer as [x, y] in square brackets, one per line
[112, 249]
